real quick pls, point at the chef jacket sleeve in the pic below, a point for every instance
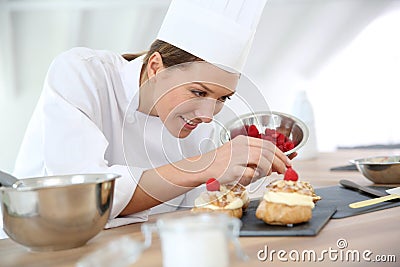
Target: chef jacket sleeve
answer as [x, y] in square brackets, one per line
[72, 139]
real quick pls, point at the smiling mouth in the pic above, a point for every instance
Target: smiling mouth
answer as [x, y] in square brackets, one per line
[189, 121]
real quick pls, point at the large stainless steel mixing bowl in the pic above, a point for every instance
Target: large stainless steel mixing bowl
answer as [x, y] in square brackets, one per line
[57, 212]
[380, 169]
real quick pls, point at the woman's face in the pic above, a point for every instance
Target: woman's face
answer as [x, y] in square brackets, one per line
[184, 107]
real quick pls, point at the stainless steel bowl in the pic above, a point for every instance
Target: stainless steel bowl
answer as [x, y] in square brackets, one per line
[289, 125]
[57, 212]
[381, 169]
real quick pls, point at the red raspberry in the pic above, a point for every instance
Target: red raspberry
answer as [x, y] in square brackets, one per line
[280, 140]
[275, 135]
[269, 131]
[212, 184]
[290, 175]
[253, 131]
[288, 145]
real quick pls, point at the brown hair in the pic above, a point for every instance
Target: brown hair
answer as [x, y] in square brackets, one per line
[170, 54]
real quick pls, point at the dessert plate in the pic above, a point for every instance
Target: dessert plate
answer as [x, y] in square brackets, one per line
[341, 198]
[252, 226]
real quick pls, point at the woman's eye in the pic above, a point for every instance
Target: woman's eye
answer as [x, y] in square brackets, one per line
[224, 98]
[199, 93]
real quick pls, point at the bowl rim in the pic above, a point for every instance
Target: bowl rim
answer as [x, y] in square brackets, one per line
[366, 160]
[303, 126]
[80, 179]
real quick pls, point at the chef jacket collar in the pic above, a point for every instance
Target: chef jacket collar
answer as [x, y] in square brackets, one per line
[130, 76]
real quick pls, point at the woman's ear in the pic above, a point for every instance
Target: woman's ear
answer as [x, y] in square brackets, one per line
[154, 65]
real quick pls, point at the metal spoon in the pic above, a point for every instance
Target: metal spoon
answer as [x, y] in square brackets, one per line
[8, 180]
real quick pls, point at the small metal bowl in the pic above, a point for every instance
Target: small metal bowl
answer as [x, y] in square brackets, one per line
[380, 170]
[292, 127]
[57, 212]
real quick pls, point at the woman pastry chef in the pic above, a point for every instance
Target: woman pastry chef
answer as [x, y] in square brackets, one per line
[149, 118]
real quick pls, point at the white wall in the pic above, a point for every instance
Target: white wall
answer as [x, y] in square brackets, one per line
[295, 47]
[345, 55]
[32, 33]
[357, 94]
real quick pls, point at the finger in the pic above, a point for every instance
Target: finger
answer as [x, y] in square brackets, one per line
[261, 143]
[279, 165]
[293, 155]
[265, 149]
[282, 157]
[250, 141]
[262, 174]
[269, 172]
[280, 169]
[268, 148]
[246, 174]
[271, 149]
[258, 160]
[277, 160]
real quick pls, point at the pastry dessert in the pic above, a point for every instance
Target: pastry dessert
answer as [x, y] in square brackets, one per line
[313, 194]
[228, 199]
[291, 175]
[287, 201]
[241, 192]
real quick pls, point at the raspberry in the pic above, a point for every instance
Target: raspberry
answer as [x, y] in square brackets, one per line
[269, 131]
[280, 140]
[212, 184]
[290, 175]
[288, 145]
[253, 131]
[275, 135]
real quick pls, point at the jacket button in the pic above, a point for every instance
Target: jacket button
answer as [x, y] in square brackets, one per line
[130, 118]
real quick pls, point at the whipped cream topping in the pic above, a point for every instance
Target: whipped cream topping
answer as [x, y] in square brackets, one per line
[217, 200]
[290, 199]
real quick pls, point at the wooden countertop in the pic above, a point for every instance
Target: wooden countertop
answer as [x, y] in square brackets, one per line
[377, 232]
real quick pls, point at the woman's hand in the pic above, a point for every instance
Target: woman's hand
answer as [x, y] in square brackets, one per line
[245, 159]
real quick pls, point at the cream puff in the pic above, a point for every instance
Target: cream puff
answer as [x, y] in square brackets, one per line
[286, 202]
[241, 192]
[228, 199]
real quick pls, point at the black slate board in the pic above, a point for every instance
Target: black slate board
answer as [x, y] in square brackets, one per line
[255, 227]
[334, 204]
[341, 198]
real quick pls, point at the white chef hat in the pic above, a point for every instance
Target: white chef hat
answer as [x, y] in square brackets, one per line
[218, 31]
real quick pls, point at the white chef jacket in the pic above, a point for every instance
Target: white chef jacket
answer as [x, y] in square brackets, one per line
[78, 127]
